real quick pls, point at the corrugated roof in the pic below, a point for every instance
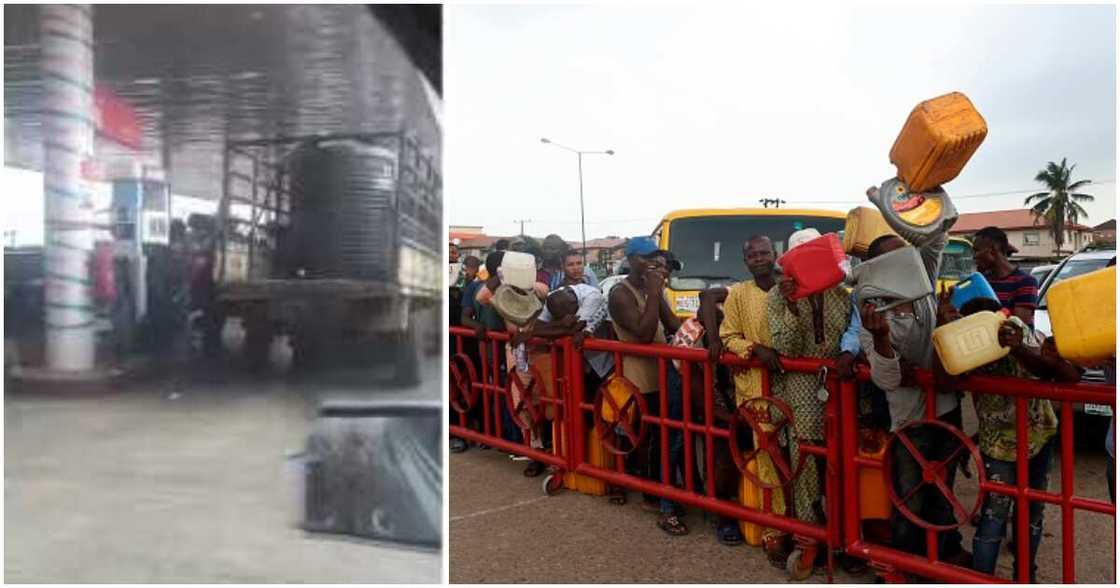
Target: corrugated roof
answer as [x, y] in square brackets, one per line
[200, 75]
[1005, 219]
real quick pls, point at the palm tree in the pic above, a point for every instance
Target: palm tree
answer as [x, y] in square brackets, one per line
[1059, 204]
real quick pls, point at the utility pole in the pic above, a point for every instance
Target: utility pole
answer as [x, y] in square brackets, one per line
[522, 221]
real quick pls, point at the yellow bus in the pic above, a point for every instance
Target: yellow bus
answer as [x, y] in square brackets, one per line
[708, 242]
[956, 262]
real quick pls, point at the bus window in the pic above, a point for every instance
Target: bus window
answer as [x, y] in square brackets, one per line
[710, 247]
[956, 261]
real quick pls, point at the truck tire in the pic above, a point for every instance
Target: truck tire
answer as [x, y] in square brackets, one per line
[258, 337]
[409, 354]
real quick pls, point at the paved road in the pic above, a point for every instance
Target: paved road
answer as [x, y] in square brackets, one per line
[503, 529]
[149, 481]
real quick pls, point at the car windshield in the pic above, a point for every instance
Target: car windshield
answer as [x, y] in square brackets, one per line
[710, 248]
[1073, 268]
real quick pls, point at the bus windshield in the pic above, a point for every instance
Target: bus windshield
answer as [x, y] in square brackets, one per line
[710, 248]
[956, 261]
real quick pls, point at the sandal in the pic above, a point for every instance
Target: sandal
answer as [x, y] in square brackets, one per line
[617, 496]
[672, 525]
[534, 469]
[728, 533]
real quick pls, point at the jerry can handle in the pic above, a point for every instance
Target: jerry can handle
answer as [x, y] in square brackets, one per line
[891, 305]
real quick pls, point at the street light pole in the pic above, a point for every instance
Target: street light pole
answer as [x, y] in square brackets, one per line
[579, 161]
[582, 224]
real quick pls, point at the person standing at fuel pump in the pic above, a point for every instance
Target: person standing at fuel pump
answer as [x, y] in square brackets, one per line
[168, 278]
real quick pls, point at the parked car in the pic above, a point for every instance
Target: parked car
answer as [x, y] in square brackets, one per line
[1082, 262]
[609, 282]
[1041, 272]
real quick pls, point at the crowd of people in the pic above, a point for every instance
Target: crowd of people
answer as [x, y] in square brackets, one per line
[762, 319]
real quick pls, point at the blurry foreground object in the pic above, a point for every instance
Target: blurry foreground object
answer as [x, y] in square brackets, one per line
[373, 469]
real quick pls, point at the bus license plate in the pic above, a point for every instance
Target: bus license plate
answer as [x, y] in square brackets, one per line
[1098, 409]
[688, 303]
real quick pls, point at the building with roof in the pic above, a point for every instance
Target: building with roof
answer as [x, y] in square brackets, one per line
[464, 232]
[1030, 236]
[1105, 232]
[605, 254]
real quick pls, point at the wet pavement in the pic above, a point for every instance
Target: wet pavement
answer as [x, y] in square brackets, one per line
[180, 477]
[503, 529]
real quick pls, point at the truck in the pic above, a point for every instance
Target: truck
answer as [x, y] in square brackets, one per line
[334, 241]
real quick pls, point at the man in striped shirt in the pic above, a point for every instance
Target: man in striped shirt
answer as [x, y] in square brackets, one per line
[1017, 290]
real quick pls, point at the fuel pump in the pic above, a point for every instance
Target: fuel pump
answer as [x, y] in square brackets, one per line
[141, 220]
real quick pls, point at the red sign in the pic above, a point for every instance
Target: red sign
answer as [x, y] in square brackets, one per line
[116, 119]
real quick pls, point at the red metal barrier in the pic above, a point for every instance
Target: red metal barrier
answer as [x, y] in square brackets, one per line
[493, 388]
[709, 430]
[842, 530]
[886, 557]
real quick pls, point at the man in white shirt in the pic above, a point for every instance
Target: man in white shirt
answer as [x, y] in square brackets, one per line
[577, 311]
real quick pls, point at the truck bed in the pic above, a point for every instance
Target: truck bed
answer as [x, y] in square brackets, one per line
[259, 290]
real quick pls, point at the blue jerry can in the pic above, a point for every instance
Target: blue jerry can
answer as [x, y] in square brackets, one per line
[974, 286]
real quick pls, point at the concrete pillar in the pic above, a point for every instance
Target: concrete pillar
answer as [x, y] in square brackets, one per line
[66, 41]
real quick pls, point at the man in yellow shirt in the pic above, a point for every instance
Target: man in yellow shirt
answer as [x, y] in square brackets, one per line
[745, 331]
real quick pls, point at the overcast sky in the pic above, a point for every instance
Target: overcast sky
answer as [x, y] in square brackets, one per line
[719, 106]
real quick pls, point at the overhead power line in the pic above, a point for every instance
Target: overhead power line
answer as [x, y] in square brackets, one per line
[954, 196]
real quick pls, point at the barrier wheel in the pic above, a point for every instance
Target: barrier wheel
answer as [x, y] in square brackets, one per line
[794, 570]
[933, 473]
[758, 413]
[530, 398]
[611, 416]
[461, 383]
[552, 484]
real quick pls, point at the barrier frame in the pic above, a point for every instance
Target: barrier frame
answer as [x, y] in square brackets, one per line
[842, 530]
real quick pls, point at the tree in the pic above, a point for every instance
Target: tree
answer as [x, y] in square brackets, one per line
[1059, 205]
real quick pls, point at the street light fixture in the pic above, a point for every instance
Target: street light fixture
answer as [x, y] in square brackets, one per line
[579, 158]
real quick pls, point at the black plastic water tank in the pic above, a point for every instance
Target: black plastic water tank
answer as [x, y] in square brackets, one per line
[344, 222]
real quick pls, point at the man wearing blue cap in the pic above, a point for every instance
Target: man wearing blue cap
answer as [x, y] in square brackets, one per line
[641, 314]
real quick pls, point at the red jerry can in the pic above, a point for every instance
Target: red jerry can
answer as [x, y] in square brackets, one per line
[816, 266]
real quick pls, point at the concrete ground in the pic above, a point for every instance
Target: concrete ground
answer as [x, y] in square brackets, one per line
[503, 529]
[165, 479]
